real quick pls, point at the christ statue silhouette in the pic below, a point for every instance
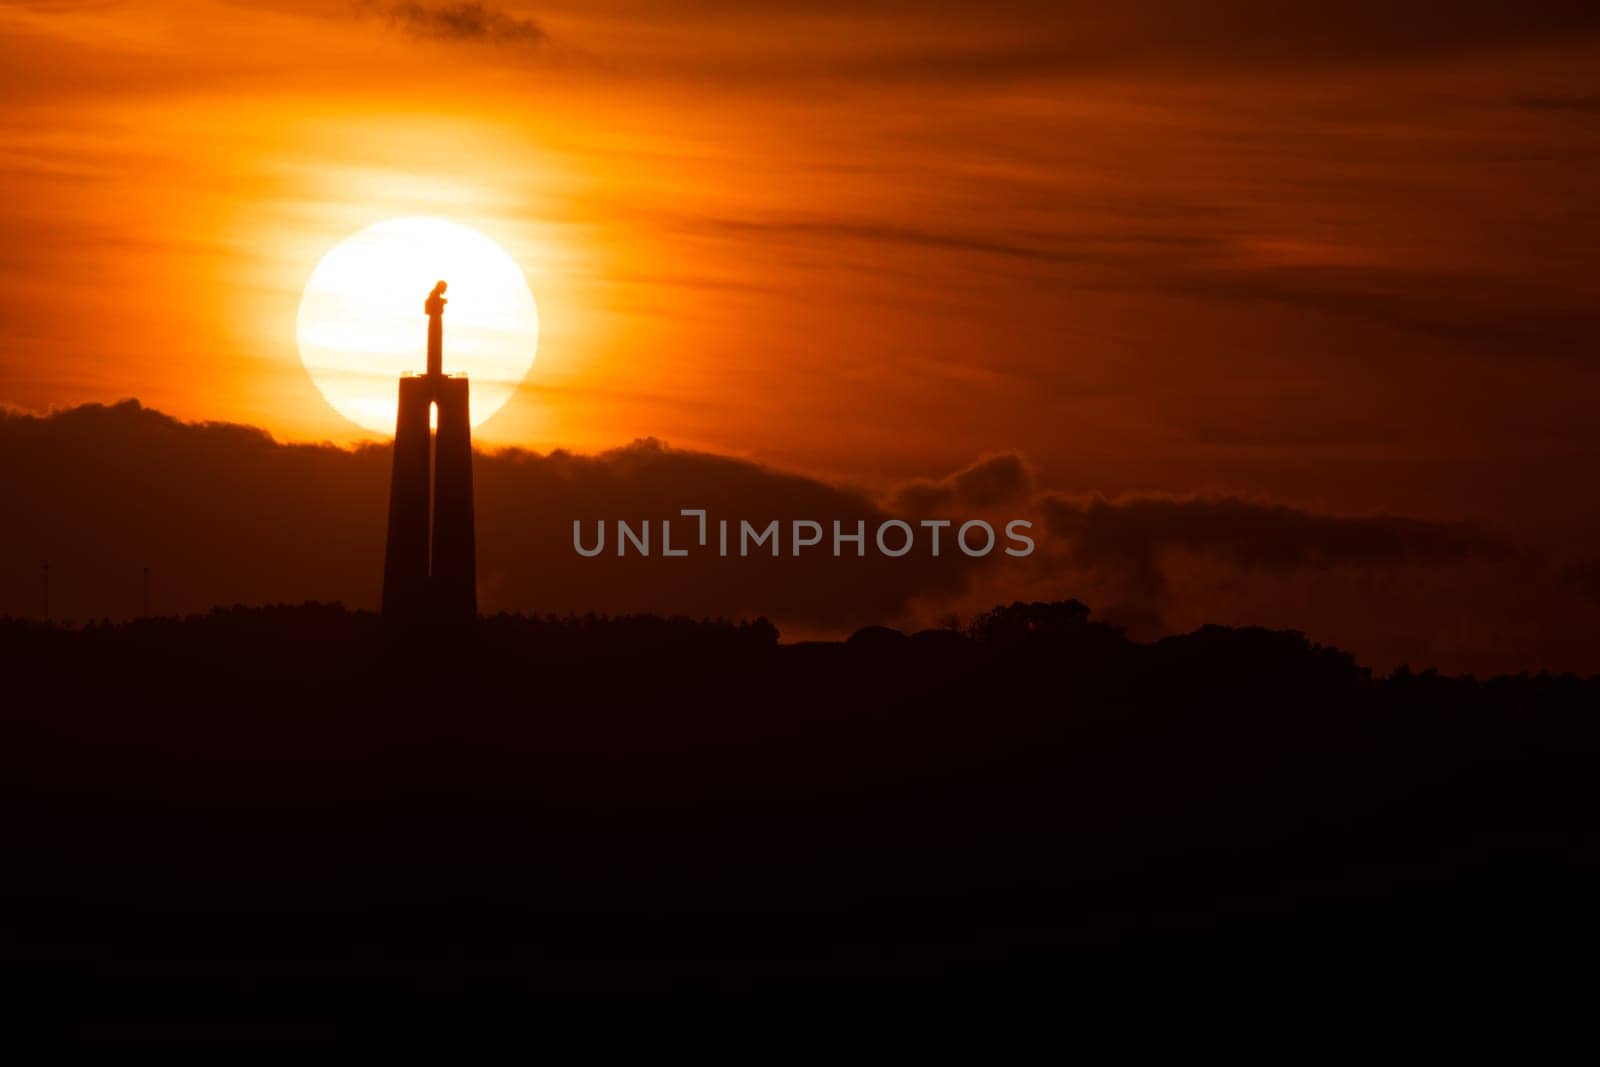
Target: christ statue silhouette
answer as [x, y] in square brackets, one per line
[434, 306]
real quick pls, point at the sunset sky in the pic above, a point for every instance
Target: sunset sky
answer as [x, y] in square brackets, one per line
[1336, 256]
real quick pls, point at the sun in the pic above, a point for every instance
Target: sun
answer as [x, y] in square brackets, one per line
[361, 322]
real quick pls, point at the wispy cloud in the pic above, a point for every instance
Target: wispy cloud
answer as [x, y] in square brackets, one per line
[467, 21]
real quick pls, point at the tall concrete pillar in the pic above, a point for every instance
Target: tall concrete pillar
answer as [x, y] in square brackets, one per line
[455, 567]
[430, 571]
[405, 564]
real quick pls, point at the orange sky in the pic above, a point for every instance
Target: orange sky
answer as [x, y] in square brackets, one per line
[1342, 259]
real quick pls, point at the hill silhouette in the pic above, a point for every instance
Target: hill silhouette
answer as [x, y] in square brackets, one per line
[1030, 798]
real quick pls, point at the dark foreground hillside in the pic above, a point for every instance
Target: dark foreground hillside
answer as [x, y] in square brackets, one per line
[291, 794]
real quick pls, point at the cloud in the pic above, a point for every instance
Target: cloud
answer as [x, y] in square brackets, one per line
[465, 20]
[1584, 579]
[1392, 589]
[1132, 535]
[912, 236]
[1128, 244]
[1569, 102]
[222, 514]
[1011, 40]
[991, 482]
[1470, 310]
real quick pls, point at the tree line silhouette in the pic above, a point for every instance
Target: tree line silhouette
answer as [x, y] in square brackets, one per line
[1027, 797]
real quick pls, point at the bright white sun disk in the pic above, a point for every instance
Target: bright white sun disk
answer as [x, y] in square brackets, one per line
[361, 322]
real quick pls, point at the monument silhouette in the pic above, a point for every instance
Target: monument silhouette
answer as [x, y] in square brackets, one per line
[430, 571]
